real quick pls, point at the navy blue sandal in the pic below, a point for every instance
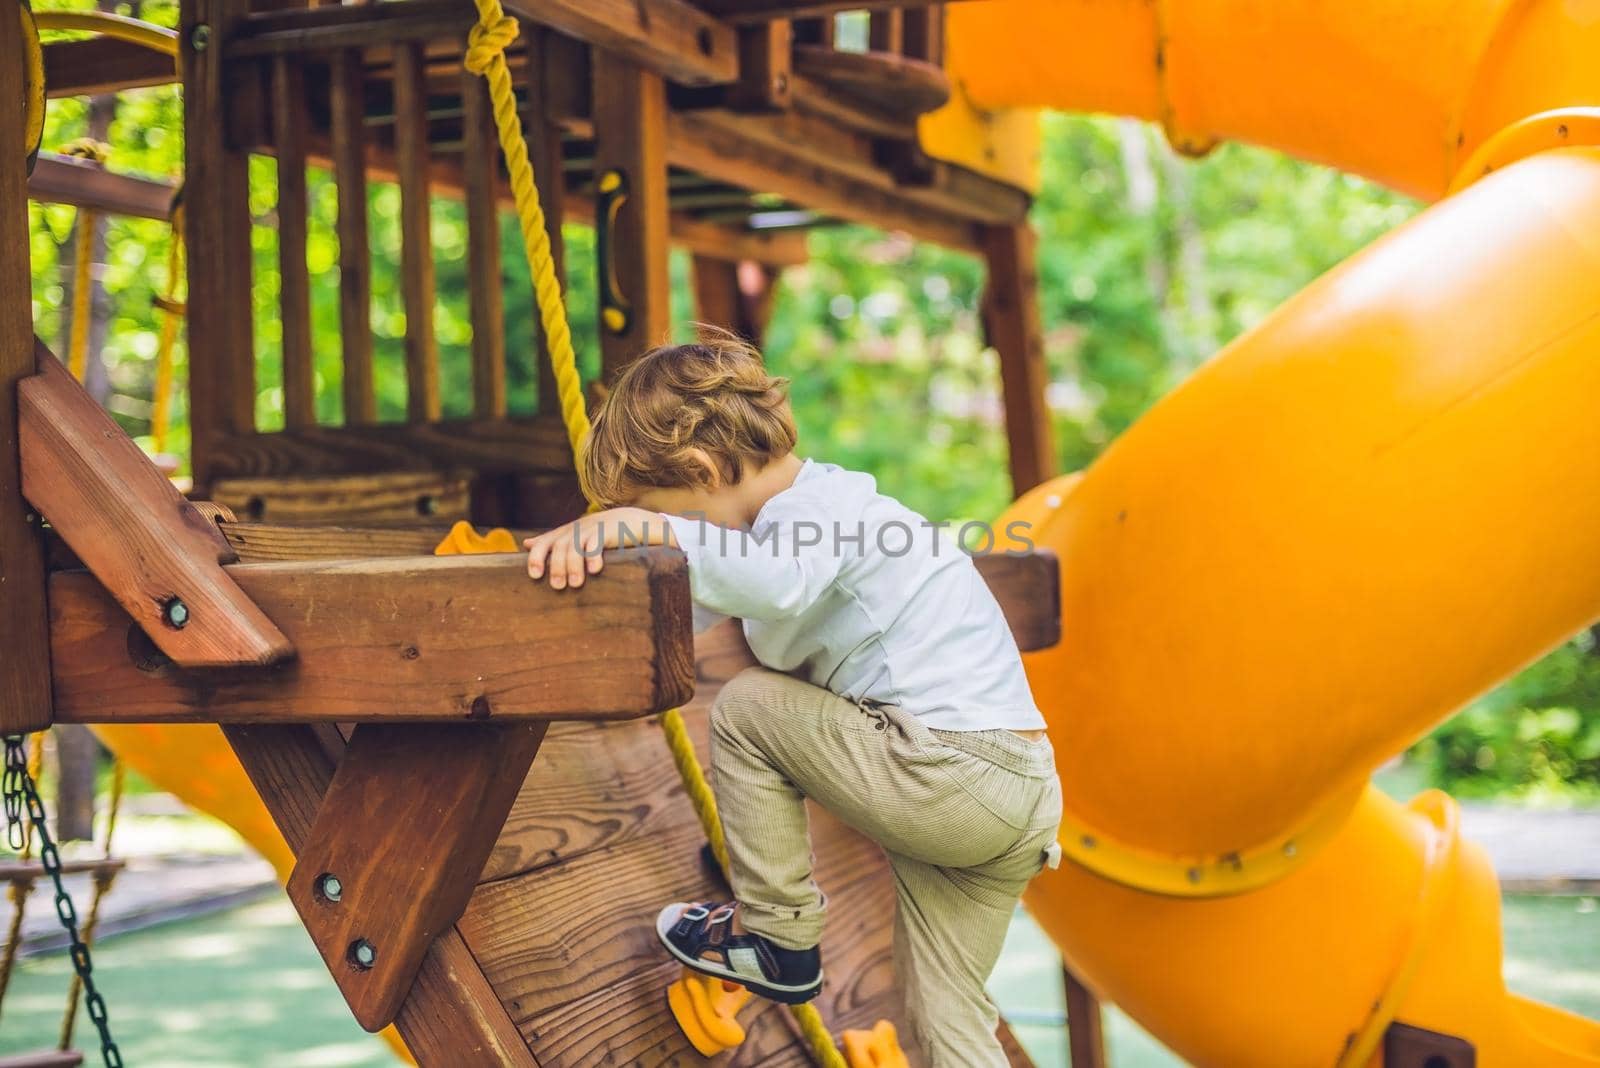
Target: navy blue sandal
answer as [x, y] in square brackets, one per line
[701, 936]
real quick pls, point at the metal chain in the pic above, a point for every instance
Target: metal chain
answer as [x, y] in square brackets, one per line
[21, 794]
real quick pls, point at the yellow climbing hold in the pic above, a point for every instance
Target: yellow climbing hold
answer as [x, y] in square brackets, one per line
[464, 539]
[707, 1009]
[877, 1048]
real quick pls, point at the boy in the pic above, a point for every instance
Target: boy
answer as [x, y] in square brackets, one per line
[891, 691]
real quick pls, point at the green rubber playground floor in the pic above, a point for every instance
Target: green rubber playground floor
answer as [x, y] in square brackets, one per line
[244, 988]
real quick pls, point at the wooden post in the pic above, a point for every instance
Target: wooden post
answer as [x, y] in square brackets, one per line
[924, 33]
[480, 165]
[765, 54]
[77, 758]
[630, 120]
[1085, 1024]
[25, 668]
[1011, 321]
[734, 294]
[222, 385]
[886, 31]
[416, 244]
[355, 254]
[294, 297]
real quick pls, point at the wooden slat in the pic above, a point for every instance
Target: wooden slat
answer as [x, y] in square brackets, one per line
[560, 61]
[1085, 1023]
[222, 392]
[1011, 321]
[336, 27]
[294, 297]
[100, 65]
[386, 497]
[346, 95]
[774, 248]
[453, 1017]
[32, 869]
[416, 639]
[58, 179]
[25, 670]
[480, 165]
[405, 859]
[765, 77]
[924, 33]
[496, 446]
[1028, 587]
[416, 243]
[128, 525]
[53, 1058]
[672, 38]
[886, 31]
[630, 107]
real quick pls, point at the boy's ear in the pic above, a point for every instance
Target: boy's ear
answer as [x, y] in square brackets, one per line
[714, 479]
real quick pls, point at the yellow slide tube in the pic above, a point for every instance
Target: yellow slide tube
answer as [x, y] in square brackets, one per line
[1357, 517]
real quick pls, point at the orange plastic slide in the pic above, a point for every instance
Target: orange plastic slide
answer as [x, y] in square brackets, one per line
[1354, 519]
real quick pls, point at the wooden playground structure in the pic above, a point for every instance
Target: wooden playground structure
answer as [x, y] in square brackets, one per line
[467, 765]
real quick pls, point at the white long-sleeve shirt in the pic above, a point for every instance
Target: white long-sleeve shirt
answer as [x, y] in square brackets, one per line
[851, 590]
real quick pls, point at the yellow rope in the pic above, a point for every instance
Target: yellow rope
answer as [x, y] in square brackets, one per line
[485, 55]
[82, 267]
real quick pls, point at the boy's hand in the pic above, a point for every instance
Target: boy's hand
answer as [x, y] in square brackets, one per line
[568, 553]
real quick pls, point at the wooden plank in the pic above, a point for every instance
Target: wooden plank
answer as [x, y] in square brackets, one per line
[672, 38]
[222, 392]
[294, 279]
[1028, 587]
[388, 867]
[99, 65]
[346, 95]
[480, 162]
[562, 60]
[773, 248]
[743, 11]
[25, 671]
[495, 446]
[765, 54]
[416, 243]
[453, 1017]
[415, 639]
[1011, 321]
[1085, 1023]
[299, 30]
[383, 498]
[58, 179]
[53, 1058]
[159, 557]
[630, 109]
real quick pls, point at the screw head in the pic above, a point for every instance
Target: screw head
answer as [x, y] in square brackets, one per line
[363, 954]
[329, 887]
[1289, 849]
[1194, 875]
[175, 613]
[200, 37]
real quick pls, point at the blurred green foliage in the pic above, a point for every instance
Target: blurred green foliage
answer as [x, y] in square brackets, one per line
[1148, 264]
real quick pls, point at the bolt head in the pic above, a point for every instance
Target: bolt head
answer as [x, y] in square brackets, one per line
[176, 613]
[363, 954]
[330, 887]
[200, 37]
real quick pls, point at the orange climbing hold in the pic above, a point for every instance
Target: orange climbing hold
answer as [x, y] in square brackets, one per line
[707, 1009]
[463, 539]
[877, 1048]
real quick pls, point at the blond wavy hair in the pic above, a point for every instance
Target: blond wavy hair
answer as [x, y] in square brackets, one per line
[681, 411]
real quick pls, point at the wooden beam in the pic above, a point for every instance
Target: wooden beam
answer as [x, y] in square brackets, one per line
[349, 129]
[460, 638]
[381, 497]
[503, 446]
[630, 116]
[765, 72]
[221, 321]
[672, 38]
[1085, 1023]
[480, 163]
[58, 179]
[157, 555]
[294, 296]
[452, 1016]
[416, 242]
[772, 248]
[388, 867]
[741, 11]
[1011, 321]
[25, 670]
[99, 65]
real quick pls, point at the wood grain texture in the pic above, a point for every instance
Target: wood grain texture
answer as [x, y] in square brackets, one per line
[495, 446]
[25, 671]
[130, 527]
[346, 98]
[480, 163]
[673, 38]
[452, 1016]
[404, 829]
[1011, 321]
[416, 242]
[82, 183]
[1085, 1023]
[391, 497]
[441, 639]
[630, 115]
[222, 388]
[90, 67]
[1028, 587]
[294, 278]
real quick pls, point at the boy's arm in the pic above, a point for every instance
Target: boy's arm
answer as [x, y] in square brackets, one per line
[770, 576]
[569, 552]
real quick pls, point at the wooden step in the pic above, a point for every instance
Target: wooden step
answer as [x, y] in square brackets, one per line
[51, 1058]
